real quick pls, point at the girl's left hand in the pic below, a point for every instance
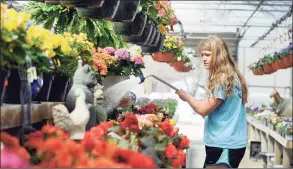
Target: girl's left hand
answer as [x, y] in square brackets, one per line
[184, 95]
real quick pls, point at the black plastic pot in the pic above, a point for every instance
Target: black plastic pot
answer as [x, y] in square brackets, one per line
[4, 74]
[143, 39]
[153, 49]
[107, 11]
[43, 95]
[153, 34]
[52, 1]
[59, 89]
[83, 3]
[127, 11]
[156, 39]
[134, 28]
[12, 93]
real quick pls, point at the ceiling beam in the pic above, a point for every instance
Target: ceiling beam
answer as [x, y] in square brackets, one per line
[274, 25]
[233, 3]
[246, 22]
[226, 9]
[232, 25]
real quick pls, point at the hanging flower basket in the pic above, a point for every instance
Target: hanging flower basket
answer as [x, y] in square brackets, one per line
[255, 72]
[3, 83]
[156, 39]
[127, 11]
[276, 65]
[83, 3]
[291, 59]
[286, 61]
[156, 48]
[52, 1]
[59, 89]
[179, 66]
[134, 28]
[153, 35]
[143, 39]
[281, 63]
[164, 57]
[268, 68]
[107, 11]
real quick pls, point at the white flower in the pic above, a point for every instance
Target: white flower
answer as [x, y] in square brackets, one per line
[179, 58]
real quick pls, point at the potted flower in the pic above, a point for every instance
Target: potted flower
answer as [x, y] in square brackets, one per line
[172, 47]
[268, 68]
[129, 62]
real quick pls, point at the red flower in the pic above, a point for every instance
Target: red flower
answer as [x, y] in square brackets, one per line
[179, 161]
[167, 128]
[170, 151]
[130, 122]
[139, 160]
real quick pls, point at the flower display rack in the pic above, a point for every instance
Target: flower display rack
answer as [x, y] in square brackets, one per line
[11, 114]
[272, 144]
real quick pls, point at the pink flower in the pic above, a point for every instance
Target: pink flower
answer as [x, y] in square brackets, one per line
[122, 54]
[162, 12]
[10, 159]
[137, 60]
[110, 50]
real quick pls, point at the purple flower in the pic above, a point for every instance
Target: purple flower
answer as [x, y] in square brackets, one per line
[137, 60]
[110, 50]
[122, 54]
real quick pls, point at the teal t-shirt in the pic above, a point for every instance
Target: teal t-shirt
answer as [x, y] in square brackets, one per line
[226, 126]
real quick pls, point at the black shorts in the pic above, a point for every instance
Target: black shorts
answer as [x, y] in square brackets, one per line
[230, 157]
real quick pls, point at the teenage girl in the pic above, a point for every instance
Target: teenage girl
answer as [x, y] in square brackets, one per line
[225, 131]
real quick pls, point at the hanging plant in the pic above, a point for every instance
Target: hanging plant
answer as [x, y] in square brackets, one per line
[63, 19]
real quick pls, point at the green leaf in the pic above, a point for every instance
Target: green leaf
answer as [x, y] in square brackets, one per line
[124, 144]
[160, 146]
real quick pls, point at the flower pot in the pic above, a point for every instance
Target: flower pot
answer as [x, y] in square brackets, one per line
[153, 35]
[134, 28]
[261, 72]
[112, 80]
[268, 69]
[179, 66]
[154, 49]
[4, 75]
[282, 64]
[255, 72]
[58, 89]
[107, 11]
[127, 11]
[143, 38]
[286, 61]
[275, 66]
[83, 3]
[12, 93]
[43, 95]
[291, 59]
[52, 1]
[289, 137]
[163, 57]
[156, 39]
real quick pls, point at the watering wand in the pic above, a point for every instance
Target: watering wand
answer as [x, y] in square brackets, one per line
[142, 78]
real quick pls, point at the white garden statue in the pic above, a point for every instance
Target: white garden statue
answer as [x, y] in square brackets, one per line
[75, 122]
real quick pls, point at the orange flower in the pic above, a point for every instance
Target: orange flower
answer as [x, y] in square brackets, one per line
[179, 161]
[170, 151]
[139, 160]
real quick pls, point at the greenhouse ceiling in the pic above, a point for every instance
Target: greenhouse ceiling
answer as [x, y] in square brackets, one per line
[248, 20]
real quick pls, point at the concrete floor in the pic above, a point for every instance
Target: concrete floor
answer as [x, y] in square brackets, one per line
[192, 125]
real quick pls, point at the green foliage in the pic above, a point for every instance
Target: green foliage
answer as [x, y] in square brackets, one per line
[171, 104]
[62, 19]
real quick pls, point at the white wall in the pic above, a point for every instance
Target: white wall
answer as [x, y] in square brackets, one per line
[281, 78]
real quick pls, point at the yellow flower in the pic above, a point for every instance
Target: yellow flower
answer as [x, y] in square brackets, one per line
[4, 7]
[174, 46]
[171, 39]
[168, 44]
[50, 53]
[57, 40]
[10, 25]
[173, 122]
